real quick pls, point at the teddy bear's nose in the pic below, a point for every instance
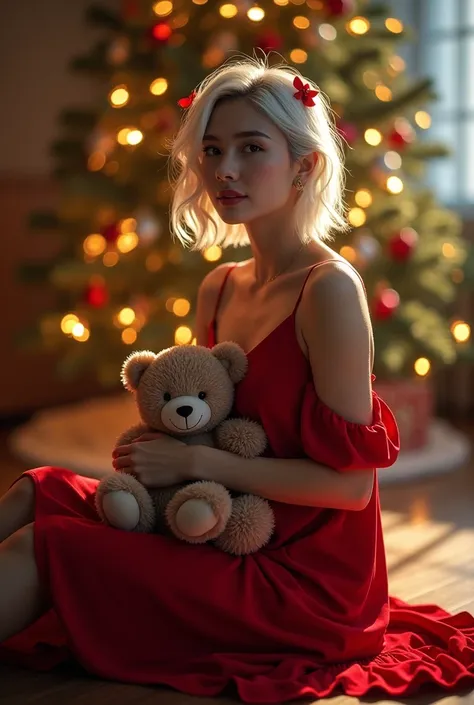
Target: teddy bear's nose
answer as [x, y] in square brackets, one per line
[184, 411]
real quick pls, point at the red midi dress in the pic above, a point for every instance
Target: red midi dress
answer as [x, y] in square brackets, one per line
[307, 615]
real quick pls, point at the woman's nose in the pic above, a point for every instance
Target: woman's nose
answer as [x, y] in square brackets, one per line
[227, 169]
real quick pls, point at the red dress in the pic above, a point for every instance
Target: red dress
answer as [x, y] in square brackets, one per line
[305, 616]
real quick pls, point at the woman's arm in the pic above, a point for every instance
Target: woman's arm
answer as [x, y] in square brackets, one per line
[336, 327]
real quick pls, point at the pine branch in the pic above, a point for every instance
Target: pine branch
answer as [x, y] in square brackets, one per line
[375, 110]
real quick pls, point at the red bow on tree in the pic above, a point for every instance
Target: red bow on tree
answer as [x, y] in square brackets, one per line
[187, 102]
[304, 93]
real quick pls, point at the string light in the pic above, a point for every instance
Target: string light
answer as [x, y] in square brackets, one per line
[159, 86]
[461, 331]
[127, 242]
[394, 184]
[163, 8]
[448, 250]
[392, 160]
[422, 366]
[183, 335]
[256, 14]
[181, 307]
[94, 244]
[301, 22]
[356, 217]
[327, 31]
[423, 119]
[393, 25]
[119, 96]
[358, 25]
[372, 137]
[129, 336]
[126, 316]
[80, 333]
[213, 253]
[68, 322]
[383, 93]
[363, 198]
[348, 253]
[298, 56]
[228, 10]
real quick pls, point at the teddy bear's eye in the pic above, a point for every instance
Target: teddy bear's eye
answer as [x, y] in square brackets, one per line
[167, 396]
[202, 395]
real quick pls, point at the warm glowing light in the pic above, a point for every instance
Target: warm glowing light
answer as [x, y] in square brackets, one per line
[94, 244]
[298, 56]
[96, 161]
[448, 250]
[422, 366]
[134, 137]
[256, 14]
[163, 8]
[129, 336]
[394, 184]
[392, 160]
[348, 253]
[281, 3]
[394, 25]
[119, 96]
[128, 225]
[126, 316]
[80, 333]
[213, 253]
[371, 79]
[110, 259]
[356, 217]
[127, 242]
[363, 198]
[159, 86]
[68, 322]
[183, 335]
[154, 262]
[358, 25]
[181, 307]
[461, 331]
[372, 137]
[327, 31]
[123, 134]
[397, 63]
[301, 22]
[423, 119]
[228, 10]
[383, 93]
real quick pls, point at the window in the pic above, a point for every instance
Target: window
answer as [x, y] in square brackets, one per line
[445, 52]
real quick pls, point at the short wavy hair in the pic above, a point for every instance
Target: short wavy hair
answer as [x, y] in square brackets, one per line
[320, 208]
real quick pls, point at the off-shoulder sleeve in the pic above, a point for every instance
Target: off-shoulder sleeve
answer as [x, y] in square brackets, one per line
[344, 445]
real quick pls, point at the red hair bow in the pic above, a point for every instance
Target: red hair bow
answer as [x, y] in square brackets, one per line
[188, 101]
[304, 93]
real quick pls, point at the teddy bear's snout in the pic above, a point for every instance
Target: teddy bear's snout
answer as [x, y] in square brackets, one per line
[184, 411]
[185, 414]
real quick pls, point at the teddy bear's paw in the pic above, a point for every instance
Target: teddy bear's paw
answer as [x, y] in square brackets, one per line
[249, 528]
[241, 437]
[124, 503]
[199, 512]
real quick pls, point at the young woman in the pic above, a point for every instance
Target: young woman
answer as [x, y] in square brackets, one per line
[257, 161]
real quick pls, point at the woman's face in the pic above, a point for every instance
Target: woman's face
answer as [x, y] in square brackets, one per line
[256, 164]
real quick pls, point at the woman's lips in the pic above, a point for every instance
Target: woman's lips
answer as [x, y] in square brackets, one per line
[231, 200]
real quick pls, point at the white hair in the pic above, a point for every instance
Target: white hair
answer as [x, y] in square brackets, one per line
[320, 206]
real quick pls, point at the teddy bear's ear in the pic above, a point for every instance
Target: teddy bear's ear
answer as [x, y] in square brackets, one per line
[233, 358]
[134, 366]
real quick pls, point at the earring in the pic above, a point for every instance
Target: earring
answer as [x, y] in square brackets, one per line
[298, 183]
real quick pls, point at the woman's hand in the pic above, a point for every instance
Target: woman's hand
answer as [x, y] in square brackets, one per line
[155, 459]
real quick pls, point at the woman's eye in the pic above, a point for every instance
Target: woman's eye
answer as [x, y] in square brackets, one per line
[202, 395]
[257, 148]
[167, 396]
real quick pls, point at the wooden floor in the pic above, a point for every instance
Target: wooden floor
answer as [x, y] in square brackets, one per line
[429, 536]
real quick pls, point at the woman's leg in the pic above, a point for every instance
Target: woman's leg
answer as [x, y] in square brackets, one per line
[22, 598]
[17, 507]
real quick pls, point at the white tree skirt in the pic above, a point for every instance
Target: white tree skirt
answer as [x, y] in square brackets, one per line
[81, 437]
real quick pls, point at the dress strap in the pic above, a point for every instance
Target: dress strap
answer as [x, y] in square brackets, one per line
[219, 297]
[318, 264]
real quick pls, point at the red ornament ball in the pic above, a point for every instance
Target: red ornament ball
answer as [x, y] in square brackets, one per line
[269, 41]
[385, 305]
[111, 232]
[338, 8]
[161, 32]
[348, 131]
[402, 244]
[96, 295]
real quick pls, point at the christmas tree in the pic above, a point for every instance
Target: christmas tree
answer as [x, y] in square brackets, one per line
[122, 283]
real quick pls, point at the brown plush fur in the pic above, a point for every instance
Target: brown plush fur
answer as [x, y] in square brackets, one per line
[188, 392]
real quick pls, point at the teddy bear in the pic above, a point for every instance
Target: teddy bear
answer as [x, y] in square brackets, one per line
[187, 391]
